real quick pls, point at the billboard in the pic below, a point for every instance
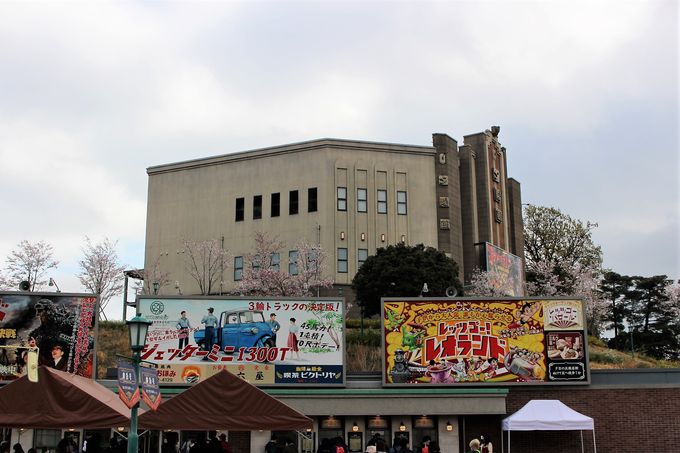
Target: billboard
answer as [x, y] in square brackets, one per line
[483, 341]
[60, 325]
[264, 341]
[506, 270]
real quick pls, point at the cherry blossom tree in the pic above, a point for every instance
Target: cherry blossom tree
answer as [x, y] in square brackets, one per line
[262, 275]
[100, 271]
[152, 274]
[672, 293]
[578, 281]
[485, 284]
[206, 261]
[29, 261]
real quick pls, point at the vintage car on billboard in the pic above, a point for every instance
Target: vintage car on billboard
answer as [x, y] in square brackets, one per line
[240, 329]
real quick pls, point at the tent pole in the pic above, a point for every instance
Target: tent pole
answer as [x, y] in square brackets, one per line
[503, 441]
[508, 441]
[581, 432]
[594, 442]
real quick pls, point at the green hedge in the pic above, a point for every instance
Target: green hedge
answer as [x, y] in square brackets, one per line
[371, 337]
[356, 323]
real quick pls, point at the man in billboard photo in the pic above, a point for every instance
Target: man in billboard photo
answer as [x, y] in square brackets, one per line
[183, 326]
[59, 361]
[274, 324]
[210, 322]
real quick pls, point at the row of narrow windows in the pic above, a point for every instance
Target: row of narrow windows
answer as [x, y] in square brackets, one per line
[381, 200]
[275, 204]
[312, 202]
[275, 262]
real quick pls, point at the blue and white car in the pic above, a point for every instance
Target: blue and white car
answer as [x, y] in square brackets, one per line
[240, 329]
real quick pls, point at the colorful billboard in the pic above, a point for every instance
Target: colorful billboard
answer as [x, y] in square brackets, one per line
[506, 271]
[477, 342]
[264, 341]
[60, 325]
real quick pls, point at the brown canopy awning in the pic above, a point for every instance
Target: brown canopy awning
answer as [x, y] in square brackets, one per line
[224, 402]
[60, 400]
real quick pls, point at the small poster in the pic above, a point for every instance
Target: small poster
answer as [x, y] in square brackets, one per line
[128, 389]
[150, 390]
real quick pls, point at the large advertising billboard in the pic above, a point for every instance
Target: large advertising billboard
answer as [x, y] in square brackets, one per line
[60, 325]
[506, 271]
[264, 341]
[483, 341]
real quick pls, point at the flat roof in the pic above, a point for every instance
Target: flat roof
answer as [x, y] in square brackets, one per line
[292, 148]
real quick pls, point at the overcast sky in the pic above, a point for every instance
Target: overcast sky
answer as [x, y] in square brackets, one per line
[93, 93]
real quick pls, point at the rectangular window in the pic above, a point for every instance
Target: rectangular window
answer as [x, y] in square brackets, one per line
[342, 260]
[292, 262]
[362, 256]
[276, 261]
[342, 198]
[311, 199]
[401, 202]
[382, 201]
[255, 263]
[276, 204]
[46, 439]
[257, 207]
[238, 268]
[362, 200]
[240, 208]
[293, 202]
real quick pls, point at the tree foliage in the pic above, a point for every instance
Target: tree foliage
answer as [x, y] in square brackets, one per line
[651, 309]
[400, 271]
[562, 260]
[205, 261]
[263, 276]
[615, 290]
[29, 261]
[100, 271]
[552, 236]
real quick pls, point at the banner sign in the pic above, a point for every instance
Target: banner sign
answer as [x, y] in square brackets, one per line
[264, 341]
[128, 389]
[61, 325]
[506, 271]
[151, 393]
[463, 341]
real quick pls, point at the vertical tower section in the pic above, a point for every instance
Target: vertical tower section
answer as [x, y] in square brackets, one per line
[449, 213]
[491, 203]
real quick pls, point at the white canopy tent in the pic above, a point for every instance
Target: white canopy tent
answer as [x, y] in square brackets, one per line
[548, 415]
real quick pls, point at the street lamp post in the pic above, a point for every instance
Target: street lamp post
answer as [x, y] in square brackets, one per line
[138, 326]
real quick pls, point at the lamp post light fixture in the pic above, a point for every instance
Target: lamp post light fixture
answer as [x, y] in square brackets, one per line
[449, 426]
[53, 283]
[402, 427]
[138, 327]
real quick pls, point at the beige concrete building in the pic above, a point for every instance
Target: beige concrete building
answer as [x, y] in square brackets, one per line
[351, 197]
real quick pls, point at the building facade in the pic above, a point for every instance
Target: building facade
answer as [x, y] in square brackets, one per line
[351, 197]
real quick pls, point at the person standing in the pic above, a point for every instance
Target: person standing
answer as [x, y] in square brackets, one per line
[486, 445]
[293, 339]
[210, 322]
[275, 326]
[474, 446]
[183, 325]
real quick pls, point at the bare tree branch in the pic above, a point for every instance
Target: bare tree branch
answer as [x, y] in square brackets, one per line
[100, 271]
[206, 261]
[29, 261]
